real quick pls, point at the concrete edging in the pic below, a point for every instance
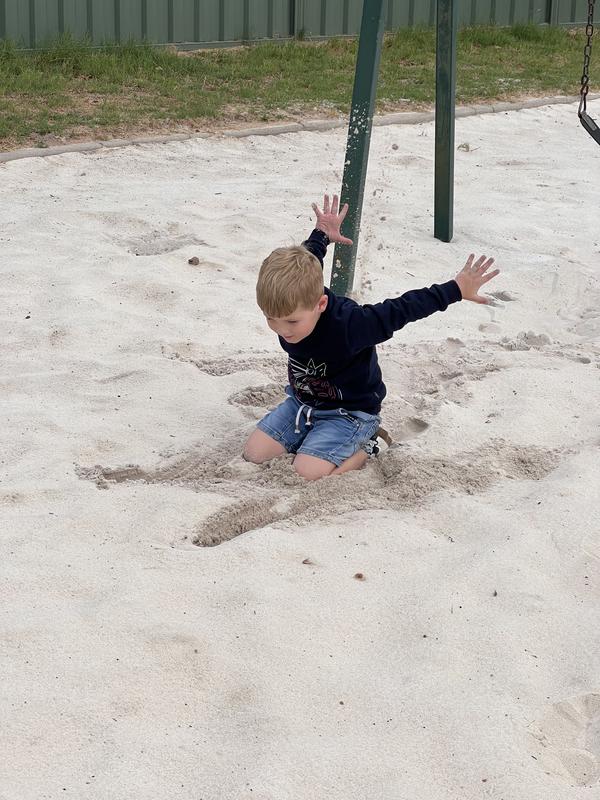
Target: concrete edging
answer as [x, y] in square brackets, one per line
[398, 118]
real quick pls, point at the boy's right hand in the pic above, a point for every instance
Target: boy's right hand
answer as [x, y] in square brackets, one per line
[329, 220]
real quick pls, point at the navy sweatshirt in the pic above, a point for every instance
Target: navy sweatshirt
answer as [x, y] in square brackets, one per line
[336, 366]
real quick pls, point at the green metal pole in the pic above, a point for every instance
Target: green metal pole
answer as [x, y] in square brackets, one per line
[445, 93]
[359, 138]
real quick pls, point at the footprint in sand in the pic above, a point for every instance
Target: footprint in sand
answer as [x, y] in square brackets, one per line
[588, 325]
[526, 340]
[454, 345]
[156, 243]
[411, 427]
[142, 238]
[505, 297]
[566, 741]
[591, 547]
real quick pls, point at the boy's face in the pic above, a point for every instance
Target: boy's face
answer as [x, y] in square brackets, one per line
[300, 324]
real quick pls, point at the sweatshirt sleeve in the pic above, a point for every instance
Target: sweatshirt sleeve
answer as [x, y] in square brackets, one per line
[369, 325]
[317, 244]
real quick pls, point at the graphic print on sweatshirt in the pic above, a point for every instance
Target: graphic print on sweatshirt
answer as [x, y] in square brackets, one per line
[309, 382]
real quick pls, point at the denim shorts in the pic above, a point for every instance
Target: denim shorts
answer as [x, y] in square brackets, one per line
[332, 435]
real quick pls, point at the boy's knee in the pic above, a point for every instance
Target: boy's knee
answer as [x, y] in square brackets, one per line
[253, 456]
[312, 469]
[260, 448]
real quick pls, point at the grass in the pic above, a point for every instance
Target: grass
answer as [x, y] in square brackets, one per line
[72, 91]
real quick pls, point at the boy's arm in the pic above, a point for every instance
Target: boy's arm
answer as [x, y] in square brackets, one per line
[317, 244]
[327, 229]
[371, 324]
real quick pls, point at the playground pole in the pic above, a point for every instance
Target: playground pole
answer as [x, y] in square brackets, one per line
[359, 138]
[445, 92]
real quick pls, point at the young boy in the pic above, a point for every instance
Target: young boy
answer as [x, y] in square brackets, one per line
[335, 386]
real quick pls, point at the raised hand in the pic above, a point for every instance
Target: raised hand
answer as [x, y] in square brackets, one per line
[330, 219]
[472, 277]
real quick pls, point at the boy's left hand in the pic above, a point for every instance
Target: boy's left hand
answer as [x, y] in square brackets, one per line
[472, 277]
[329, 220]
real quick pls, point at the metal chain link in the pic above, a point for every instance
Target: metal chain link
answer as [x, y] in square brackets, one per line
[587, 54]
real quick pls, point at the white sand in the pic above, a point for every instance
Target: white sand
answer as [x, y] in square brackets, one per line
[135, 664]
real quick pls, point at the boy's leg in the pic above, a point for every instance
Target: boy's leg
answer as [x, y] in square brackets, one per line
[275, 434]
[334, 444]
[260, 448]
[357, 461]
[313, 468]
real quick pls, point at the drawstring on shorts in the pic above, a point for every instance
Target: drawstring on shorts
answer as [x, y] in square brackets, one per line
[308, 422]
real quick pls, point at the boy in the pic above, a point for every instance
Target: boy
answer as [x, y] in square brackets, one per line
[335, 386]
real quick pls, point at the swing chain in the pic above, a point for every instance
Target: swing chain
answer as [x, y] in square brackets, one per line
[587, 53]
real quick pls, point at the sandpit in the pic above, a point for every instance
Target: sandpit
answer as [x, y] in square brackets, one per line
[177, 623]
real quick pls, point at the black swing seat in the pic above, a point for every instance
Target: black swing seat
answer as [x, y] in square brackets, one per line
[590, 125]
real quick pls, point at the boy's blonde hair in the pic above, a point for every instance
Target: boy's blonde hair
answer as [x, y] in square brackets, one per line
[290, 278]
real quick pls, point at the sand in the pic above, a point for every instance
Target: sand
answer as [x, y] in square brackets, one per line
[176, 623]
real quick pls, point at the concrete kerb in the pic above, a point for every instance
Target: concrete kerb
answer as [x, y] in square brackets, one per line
[266, 130]
[404, 118]
[36, 152]
[398, 118]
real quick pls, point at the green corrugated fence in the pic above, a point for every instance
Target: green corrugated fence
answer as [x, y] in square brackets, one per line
[32, 22]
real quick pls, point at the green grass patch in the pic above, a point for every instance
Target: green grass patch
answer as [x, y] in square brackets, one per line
[70, 89]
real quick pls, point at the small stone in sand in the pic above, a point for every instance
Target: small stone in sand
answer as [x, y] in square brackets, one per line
[194, 261]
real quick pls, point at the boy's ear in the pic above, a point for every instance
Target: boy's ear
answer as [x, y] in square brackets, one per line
[322, 304]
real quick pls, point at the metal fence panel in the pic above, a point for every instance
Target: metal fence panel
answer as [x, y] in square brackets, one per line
[32, 22]
[157, 21]
[74, 18]
[103, 20]
[354, 16]
[232, 26]
[523, 11]
[401, 14]
[479, 12]
[257, 21]
[43, 17]
[332, 17]
[425, 12]
[282, 22]
[308, 17]
[181, 20]
[537, 14]
[130, 22]
[17, 22]
[569, 10]
[209, 25]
